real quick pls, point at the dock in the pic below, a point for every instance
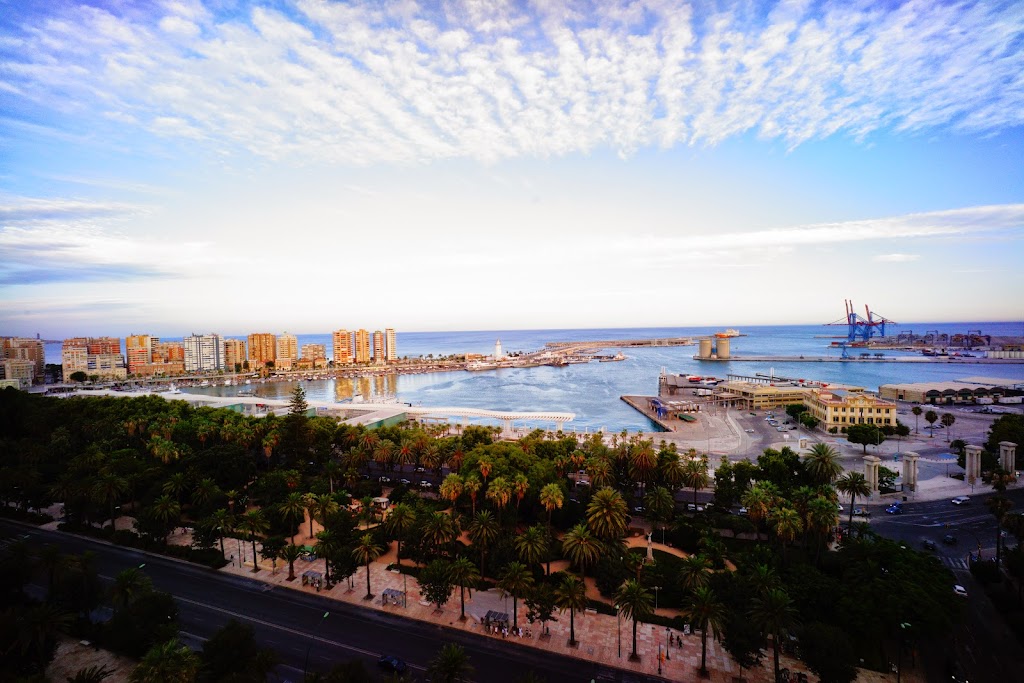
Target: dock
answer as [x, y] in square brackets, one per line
[621, 343]
[951, 360]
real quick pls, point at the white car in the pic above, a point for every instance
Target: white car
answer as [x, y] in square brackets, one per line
[961, 500]
[960, 590]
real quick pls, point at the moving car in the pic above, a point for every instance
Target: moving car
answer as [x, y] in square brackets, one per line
[949, 539]
[861, 512]
[960, 590]
[894, 510]
[929, 545]
[392, 664]
[961, 500]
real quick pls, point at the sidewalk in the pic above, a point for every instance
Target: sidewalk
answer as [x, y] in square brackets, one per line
[597, 634]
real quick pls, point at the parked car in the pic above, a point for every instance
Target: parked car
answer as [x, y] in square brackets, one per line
[960, 590]
[392, 664]
[862, 512]
[949, 539]
[384, 480]
[929, 545]
[894, 510]
[743, 511]
[404, 482]
[426, 484]
[961, 500]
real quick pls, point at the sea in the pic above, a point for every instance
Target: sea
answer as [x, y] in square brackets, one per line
[592, 391]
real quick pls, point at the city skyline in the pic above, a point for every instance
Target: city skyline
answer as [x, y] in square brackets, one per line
[462, 167]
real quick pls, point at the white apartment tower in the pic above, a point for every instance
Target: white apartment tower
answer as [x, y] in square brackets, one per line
[389, 339]
[204, 353]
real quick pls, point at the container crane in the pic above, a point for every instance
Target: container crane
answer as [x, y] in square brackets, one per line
[862, 328]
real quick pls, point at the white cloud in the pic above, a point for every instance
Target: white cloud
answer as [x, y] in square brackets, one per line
[897, 258]
[358, 83]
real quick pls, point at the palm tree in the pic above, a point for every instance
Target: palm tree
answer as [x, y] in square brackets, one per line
[660, 505]
[451, 665]
[532, 545]
[822, 463]
[601, 473]
[176, 485]
[253, 522]
[327, 548]
[129, 585]
[606, 514]
[999, 505]
[92, 674]
[451, 488]
[580, 546]
[916, 410]
[36, 628]
[694, 573]
[169, 662]
[320, 508]
[822, 517]
[439, 530]
[471, 487]
[931, 417]
[292, 510]
[399, 522]
[364, 553]
[463, 573]
[205, 491]
[947, 421]
[695, 475]
[515, 581]
[165, 510]
[109, 489]
[289, 554]
[552, 498]
[520, 485]
[483, 531]
[705, 611]
[571, 595]
[763, 579]
[758, 500]
[499, 492]
[332, 470]
[636, 603]
[775, 616]
[853, 484]
[787, 525]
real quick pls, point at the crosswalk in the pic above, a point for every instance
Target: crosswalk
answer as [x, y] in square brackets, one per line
[954, 562]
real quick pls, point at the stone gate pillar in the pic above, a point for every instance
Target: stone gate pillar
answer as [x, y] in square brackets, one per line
[1008, 458]
[973, 464]
[910, 470]
[871, 472]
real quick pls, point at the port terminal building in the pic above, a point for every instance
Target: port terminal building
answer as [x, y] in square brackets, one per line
[950, 392]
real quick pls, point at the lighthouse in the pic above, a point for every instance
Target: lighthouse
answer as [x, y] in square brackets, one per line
[497, 350]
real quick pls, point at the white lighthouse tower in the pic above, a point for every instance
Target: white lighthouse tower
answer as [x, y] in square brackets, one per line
[498, 355]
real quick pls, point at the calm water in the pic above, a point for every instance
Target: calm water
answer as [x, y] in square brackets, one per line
[592, 390]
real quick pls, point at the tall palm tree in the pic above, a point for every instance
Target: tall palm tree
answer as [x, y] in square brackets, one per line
[694, 573]
[463, 573]
[601, 473]
[759, 500]
[293, 509]
[129, 585]
[440, 530]
[332, 470]
[706, 611]
[532, 545]
[451, 665]
[36, 628]
[483, 531]
[762, 579]
[606, 514]
[916, 410]
[110, 489]
[166, 511]
[365, 552]
[660, 504]
[822, 463]
[931, 417]
[773, 613]
[853, 484]
[787, 525]
[176, 485]
[580, 546]
[499, 492]
[552, 498]
[204, 492]
[320, 508]
[642, 462]
[515, 581]
[471, 487]
[695, 475]
[253, 522]
[636, 603]
[400, 521]
[451, 488]
[169, 662]
[520, 485]
[822, 518]
[327, 548]
[289, 554]
[221, 521]
[571, 595]
[947, 421]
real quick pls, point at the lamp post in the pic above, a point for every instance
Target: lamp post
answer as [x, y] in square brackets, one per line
[405, 590]
[656, 589]
[668, 643]
[305, 664]
[618, 628]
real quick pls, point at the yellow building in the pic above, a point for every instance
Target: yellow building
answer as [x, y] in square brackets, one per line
[378, 347]
[362, 346]
[287, 348]
[26, 348]
[844, 407]
[342, 340]
[392, 348]
[21, 370]
[262, 349]
[314, 351]
[139, 351]
[757, 396]
[234, 354]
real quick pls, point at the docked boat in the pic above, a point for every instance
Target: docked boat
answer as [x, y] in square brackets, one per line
[728, 333]
[611, 359]
[246, 392]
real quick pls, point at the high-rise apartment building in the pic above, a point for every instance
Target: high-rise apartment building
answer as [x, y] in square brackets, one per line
[168, 352]
[391, 355]
[342, 340]
[287, 347]
[104, 345]
[21, 371]
[362, 346]
[262, 348]
[26, 349]
[314, 351]
[139, 351]
[234, 354]
[204, 353]
[378, 347]
[99, 356]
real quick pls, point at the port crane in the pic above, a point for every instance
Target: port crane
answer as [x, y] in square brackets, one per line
[862, 328]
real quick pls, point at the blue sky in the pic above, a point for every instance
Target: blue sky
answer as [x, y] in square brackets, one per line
[175, 166]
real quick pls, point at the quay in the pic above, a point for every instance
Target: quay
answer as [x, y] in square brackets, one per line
[668, 414]
[873, 358]
[621, 343]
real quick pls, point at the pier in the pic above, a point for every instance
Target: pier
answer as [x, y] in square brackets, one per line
[621, 343]
[952, 360]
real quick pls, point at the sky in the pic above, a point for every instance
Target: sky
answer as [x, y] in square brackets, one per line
[181, 166]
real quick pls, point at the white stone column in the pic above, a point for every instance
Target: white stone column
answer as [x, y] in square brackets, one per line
[508, 426]
[559, 425]
[871, 472]
[910, 470]
[1008, 457]
[973, 464]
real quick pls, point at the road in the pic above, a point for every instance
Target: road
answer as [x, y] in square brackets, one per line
[985, 647]
[292, 622]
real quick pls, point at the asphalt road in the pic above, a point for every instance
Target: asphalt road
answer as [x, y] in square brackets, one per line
[985, 648]
[293, 624]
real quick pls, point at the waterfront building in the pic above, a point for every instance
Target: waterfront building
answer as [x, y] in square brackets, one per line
[379, 353]
[757, 396]
[287, 348]
[314, 351]
[104, 345]
[204, 353]
[844, 407]
[100, 357]
[12, 383]
[161, 368]
[74, 358]
[139, 351]
[262, 349]
[23, 371]
[26, 348]
[342, 342]
[948, 392]
[168, 352]
[392, 349]
[234, 354]
[106, 366]
[362, 346]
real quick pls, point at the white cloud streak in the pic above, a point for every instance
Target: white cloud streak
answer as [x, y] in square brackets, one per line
[362, 83]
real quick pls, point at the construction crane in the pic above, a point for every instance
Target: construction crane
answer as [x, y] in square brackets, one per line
[862, 328]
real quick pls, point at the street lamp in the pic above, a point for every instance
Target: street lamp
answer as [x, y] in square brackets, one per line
[618, 627]
[656, 589]
[305, 664]
[668, 643]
